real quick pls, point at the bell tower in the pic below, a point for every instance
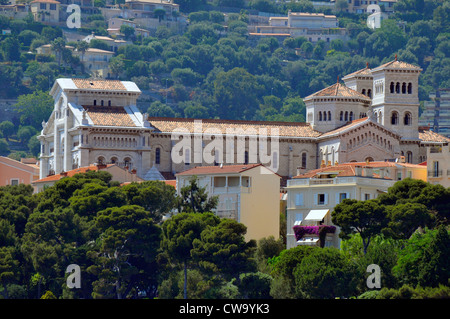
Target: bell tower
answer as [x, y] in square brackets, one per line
[395, 102]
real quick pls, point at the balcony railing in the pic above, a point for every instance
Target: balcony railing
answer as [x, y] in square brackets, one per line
[435, 173]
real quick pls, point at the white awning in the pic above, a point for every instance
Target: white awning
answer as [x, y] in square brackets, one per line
[307, 241]
[316, 214]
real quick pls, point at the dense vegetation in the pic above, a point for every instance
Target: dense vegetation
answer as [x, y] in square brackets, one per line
[214, 70]
[126, 248]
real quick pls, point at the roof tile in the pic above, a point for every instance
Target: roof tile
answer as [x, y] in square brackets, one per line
[286, 129]
[113, 85]
[109, 115]
[339, 90]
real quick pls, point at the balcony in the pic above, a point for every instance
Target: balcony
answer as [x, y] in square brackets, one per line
[315, 234]
[435, 173]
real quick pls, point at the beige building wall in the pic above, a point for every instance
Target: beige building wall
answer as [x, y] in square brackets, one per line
[260, 208]
[438, 165]
[257, 205]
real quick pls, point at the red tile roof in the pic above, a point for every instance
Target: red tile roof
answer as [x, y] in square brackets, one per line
[345, 169]
[172, 182]
[225, 169]
[57, 177]
[338, 90]
[430, 136]
[363, 72]
[395, 64]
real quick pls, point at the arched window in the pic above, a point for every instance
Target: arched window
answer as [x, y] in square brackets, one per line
[341, 116]
[304, 160]
[346, 116]
[409, 157]
[407, 119]
[392, 87]
[320, 116]
[397, 87]
[95, 102]
[394, 118]
[329, 116]
[380, 118]
[100, 160]
[127, 162]
[363, 91]
[404, 88]
[410, 88]
[351, 116]
[369, 93]
[109, 103]
[246, 157]
[375, 116]
[114, 160]
[101, 103]
[157, 155]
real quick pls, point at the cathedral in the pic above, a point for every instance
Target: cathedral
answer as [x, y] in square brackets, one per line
[372, 116]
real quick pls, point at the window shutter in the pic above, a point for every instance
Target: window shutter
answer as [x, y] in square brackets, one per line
[326, 199]
[316, 201]
[347, 195]
[297, 199]
[337, 198]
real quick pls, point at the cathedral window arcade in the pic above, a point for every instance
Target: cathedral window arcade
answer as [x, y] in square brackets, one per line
[403, 88]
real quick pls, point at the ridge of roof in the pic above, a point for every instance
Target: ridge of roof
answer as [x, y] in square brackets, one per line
[338, 90]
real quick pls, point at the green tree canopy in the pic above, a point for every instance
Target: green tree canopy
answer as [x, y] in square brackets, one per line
[367, 218]
[34, 108]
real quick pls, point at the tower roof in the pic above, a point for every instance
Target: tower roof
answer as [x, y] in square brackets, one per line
[338, 90]
[397, 65]
[366, 72]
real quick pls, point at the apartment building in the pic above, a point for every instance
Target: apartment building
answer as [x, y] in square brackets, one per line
[438, 165]
[313, 26]
[46, 11]
[436, 114]
[312, 196]
[249, 194]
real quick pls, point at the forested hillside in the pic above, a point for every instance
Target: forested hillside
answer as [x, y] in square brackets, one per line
[215, 70]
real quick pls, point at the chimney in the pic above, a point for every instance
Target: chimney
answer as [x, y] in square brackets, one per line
[368, 171]
[63, 173]
[300, 170]
[358, 170]
[382, 173]
[101, 166]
